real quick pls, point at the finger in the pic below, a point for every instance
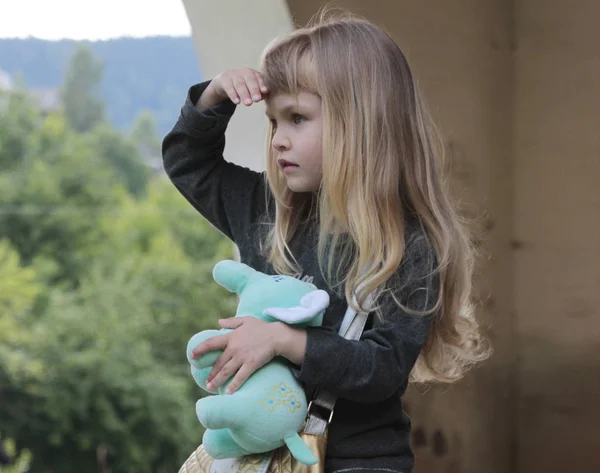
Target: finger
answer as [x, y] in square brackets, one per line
[242, 375]
[254, 87]
[262, 84]
[226, 372]
[242, 90]
[231, 322]
[219, 364]
[229, 89]
[214, 343]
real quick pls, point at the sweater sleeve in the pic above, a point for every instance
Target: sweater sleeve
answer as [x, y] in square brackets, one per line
[229, 196]
[375, 367]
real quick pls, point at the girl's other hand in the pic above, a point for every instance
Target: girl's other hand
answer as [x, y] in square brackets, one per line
[251, 344]
[244, 85]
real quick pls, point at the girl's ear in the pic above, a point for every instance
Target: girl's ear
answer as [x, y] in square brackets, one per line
[233, 275]
[311, 305]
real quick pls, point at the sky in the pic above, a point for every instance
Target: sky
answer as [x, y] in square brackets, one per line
[100, 19]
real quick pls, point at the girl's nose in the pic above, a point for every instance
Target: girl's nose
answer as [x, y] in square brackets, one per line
[280, 143]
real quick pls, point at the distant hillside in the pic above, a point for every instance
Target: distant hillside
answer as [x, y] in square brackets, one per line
[139, 73]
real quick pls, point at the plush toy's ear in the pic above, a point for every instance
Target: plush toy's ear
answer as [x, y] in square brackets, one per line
[310, 305]
[232, 275]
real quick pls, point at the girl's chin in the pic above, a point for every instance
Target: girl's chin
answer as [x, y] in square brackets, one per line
[301, 182]
[300, 187]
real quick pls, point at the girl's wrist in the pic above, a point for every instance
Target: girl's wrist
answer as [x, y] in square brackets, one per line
[209, 98]
[290, 342]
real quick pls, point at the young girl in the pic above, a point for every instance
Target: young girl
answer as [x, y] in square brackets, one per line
[354, 199]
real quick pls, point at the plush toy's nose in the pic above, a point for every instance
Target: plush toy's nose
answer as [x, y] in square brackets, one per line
[232, 275]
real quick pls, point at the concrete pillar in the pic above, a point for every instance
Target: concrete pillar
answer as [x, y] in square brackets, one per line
[557, 226]
[461, 54]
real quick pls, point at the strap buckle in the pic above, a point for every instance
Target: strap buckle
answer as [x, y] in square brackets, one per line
[324, 410]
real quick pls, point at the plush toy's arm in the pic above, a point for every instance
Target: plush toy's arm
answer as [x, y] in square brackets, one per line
[202, 366]
[200, 378]
[208, 359]
[311, 305]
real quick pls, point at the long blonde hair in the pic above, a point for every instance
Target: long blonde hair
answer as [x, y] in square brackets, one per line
[382, 160]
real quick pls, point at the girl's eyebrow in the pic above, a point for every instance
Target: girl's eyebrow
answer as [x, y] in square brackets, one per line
[283, 110]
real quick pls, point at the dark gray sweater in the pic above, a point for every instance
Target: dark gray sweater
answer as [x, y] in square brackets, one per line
[369, 430]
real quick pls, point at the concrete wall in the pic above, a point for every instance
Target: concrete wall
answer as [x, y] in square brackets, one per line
[557, 234]
[515, 86]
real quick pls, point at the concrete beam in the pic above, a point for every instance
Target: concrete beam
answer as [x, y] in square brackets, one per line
[231, 34]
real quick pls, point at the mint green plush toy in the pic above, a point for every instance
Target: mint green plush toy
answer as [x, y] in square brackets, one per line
[270, 408]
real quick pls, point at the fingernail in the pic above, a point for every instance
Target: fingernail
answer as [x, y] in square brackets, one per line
[256, 97]
[209, 386]
[236, 100]
[247, 101]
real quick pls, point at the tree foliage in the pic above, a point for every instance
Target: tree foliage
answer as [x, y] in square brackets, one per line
[80, 92]
[105, 273]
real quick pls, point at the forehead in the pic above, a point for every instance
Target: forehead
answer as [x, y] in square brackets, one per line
[282, 101]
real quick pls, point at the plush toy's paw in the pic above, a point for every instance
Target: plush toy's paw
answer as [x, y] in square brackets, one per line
[200, 378]
[219, 444]
[208, 359]
[202, 414]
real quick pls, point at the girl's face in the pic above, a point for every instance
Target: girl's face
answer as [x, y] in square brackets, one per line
[298, 138]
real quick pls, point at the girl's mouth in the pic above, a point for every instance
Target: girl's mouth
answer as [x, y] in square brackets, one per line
[284, 164]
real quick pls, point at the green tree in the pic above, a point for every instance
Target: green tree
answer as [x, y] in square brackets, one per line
[19, 462]
[18, 121]
[53, 196]
[56, 185]
[112, 354]
[18, 289]
[103, 389]
[123, 156]
[100, 290]
[176, 251]
[144, 136]
[80, 93]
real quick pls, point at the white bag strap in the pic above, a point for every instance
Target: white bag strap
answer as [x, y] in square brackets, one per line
[352, 328]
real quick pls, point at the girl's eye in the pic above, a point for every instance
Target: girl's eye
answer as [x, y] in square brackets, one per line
[298, 119]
